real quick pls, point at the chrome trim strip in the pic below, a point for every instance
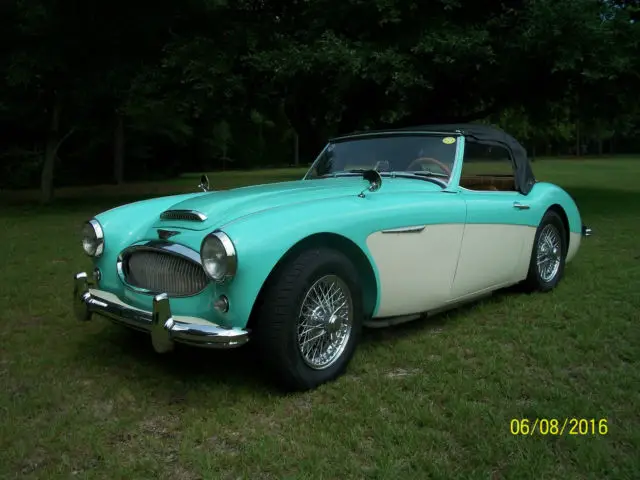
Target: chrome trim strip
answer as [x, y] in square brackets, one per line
[416, 229]
[157, 246]
[173, 214]
[159, 322]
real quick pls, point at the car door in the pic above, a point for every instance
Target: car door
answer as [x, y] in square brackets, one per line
[416, 259]
[497, 237]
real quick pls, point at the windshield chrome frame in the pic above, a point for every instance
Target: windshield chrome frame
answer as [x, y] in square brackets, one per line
[456, 169]
[457, 158]
[326, 145]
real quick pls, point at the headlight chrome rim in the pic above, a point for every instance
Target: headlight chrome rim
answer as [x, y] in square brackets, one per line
[98, 239]
[231, 256]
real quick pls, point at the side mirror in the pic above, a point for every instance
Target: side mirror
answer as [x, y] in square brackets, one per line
[204, 183]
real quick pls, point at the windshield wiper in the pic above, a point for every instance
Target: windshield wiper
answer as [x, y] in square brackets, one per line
[356, 171]
[430, 174]
[422, 176]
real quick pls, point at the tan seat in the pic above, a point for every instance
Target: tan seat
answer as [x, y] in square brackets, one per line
[488, 183]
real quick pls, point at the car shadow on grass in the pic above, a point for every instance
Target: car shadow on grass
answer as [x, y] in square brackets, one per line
[129, 355]
[435, 323]
[130, 352]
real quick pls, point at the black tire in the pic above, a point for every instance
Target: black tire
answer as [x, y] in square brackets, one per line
[535, 280]
[276, 330]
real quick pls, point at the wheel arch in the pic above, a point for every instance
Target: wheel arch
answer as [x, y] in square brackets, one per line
[557, 208]
[337, 242]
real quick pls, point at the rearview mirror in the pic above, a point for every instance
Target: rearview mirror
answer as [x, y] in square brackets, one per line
[374, 179]
[204, 183]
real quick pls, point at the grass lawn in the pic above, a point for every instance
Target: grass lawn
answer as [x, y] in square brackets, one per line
[430, 399]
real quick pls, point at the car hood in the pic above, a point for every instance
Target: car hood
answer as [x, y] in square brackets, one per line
[224, 206]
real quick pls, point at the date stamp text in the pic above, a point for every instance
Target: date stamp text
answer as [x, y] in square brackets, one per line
[559, 426]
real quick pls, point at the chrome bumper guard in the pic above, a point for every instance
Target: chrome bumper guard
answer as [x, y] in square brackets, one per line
[159, 323]
[586, 231]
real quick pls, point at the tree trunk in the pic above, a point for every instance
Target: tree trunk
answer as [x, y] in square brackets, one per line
[118, 151]
[600, 146]
[577, 138]
[296, 149]
[260, 145]
[46, 178]
[224, 156]
[309, 140]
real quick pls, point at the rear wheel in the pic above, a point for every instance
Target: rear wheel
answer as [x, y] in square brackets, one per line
[548, 255]
[310, 319]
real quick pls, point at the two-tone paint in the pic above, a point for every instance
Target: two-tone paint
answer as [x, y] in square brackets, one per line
[418, 246]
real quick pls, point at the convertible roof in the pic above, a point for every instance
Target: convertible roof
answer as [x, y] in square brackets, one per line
[487, 134]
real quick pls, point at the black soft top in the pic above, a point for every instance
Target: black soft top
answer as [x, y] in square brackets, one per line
[486, 134]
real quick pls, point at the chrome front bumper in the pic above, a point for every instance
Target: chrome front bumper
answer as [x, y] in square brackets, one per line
[586, 231]
[159, 323]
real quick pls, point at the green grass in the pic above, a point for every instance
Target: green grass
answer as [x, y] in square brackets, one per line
[430, 399]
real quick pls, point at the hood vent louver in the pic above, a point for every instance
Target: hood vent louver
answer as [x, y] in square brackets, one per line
[183, 215]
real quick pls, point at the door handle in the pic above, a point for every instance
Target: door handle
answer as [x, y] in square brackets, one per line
[520, 206]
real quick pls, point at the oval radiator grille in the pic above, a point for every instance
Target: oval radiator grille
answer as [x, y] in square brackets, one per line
[160, 272]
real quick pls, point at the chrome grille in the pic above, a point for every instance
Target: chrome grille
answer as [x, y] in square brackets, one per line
[185, 215]
[160, 272]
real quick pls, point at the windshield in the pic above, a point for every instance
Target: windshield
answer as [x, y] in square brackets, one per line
[429, 155]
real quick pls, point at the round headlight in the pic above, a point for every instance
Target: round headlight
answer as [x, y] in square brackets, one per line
[92, 238]
[218, 256]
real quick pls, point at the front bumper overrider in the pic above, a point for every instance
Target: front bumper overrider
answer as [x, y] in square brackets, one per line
[164, 329]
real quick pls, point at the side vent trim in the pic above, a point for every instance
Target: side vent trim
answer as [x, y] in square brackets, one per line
[183, 215]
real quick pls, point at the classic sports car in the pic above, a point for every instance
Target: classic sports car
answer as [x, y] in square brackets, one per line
[385, 227]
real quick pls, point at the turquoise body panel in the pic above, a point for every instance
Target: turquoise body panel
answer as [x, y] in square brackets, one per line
[265, 237]
[265, 221]
[497, 207]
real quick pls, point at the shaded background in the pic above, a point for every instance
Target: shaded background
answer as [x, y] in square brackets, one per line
[105, 92]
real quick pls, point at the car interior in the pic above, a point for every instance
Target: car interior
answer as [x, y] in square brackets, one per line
[504, 183]
[487, 168]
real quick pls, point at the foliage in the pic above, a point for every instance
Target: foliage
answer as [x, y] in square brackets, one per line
[201, 83]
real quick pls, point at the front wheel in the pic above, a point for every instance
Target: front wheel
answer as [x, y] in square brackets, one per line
[548, 255]
[310, 319]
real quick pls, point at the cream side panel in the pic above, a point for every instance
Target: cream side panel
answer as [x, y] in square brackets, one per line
[492, 255]
[416, 269]
[574, 245]
[525, 258]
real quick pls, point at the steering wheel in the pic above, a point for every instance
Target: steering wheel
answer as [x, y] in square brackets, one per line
[425, 160]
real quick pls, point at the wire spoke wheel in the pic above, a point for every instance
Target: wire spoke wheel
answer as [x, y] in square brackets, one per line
[325, 321]
[549, 253]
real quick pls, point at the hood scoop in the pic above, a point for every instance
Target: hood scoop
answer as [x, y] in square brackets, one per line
[183, 215]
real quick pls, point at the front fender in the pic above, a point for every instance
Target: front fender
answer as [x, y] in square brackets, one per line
[261, 240]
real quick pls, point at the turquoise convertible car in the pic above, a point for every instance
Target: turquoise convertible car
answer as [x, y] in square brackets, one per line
[385, 227]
